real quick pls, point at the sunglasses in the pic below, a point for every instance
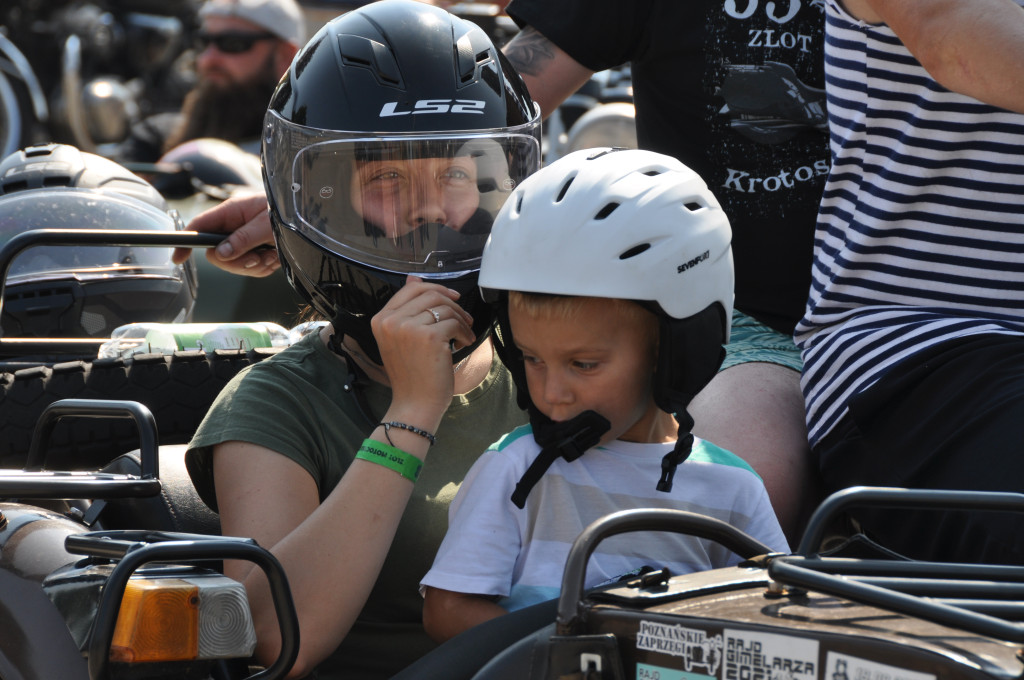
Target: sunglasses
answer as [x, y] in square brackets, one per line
[231, 43]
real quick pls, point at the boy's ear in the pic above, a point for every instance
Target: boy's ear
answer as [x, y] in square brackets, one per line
[690, 352]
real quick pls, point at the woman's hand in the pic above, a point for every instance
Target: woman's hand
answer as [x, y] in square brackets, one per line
[246, 221]
[415, 332]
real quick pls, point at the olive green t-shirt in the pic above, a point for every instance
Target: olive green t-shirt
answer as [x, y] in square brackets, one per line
[296, 403]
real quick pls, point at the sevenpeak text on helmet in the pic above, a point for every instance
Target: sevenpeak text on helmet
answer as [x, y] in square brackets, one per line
[435, 106]
[694, 262]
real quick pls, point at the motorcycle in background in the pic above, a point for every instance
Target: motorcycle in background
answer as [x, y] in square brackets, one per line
[23, 106]
[82, 71]
[600, 113]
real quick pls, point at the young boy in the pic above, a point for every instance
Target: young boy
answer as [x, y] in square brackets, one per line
[613, 276]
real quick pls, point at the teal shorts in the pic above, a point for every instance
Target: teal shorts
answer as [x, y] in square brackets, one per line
[752, 341]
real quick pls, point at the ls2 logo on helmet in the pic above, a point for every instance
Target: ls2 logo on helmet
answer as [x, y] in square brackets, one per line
[435, 106]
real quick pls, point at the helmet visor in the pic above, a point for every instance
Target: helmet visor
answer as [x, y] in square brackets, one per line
[410, 204]
[84, 209]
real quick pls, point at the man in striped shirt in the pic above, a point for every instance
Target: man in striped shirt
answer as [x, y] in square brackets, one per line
[913, 337]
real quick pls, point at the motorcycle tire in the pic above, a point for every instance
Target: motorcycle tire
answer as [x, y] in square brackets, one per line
[177, 388]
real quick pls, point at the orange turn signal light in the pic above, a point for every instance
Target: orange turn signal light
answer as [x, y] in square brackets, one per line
[182, 619]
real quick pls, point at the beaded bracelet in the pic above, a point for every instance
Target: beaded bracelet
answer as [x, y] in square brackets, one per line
[390, 457]
[402, 426]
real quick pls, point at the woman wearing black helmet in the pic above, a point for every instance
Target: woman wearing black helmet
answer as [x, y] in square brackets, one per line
[388, 148]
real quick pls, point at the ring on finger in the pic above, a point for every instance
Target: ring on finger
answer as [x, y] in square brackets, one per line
[437, 316]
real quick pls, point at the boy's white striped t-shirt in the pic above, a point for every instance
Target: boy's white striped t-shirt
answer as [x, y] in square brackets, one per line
[932, 246]
[494, 548]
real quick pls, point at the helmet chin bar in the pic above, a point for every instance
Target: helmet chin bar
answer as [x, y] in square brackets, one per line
[358, 328]
[477, 225]
[348, 293]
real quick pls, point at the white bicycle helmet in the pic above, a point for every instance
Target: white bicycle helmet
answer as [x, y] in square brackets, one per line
[632, 224]
[628, 224]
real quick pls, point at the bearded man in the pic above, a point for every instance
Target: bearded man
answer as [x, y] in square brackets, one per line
[244, 47]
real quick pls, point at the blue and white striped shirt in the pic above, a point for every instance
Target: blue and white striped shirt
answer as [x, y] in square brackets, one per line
[920, 236]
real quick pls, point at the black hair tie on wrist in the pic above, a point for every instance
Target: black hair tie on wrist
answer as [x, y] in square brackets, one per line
[404, 426]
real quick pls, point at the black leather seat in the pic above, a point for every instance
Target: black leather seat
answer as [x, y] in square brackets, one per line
[177, 508]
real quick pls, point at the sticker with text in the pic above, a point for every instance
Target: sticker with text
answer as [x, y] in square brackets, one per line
[695, 647]
[648, 672]
[843, 667]
[766, 656]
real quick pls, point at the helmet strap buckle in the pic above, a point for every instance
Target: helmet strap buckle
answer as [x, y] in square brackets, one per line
[672, 460]
[569, 440]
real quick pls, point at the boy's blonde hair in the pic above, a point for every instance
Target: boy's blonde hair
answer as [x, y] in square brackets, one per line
[547, 306]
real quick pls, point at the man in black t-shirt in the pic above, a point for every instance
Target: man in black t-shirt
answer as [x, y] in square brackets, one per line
[733, 88]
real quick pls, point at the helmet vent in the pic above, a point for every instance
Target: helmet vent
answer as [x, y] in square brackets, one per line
[694, 206]
[564, 190]
[18, 185]
[57, 181]
[472, 52]
[472, 70]
[93, 322]
[652, 173]
[606, 211]
[365, 53]
[634, 251]
[602, 152]
[30, 297]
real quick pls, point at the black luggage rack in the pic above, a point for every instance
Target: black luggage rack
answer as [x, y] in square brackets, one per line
[56, 348]
[987, 599]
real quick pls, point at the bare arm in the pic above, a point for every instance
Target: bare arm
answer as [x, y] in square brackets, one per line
[550, 74]
[332, 552]
[973, 47]
[246, 222]
[447, 613]
[342, 542]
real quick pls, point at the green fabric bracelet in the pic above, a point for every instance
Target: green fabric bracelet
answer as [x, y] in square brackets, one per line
[396, 459]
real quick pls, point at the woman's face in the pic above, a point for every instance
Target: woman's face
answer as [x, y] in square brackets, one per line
[399, 196]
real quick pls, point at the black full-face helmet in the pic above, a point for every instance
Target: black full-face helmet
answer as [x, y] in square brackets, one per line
[389, 146]
[87, 291]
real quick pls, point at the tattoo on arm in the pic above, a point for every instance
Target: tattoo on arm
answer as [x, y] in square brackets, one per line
[530, 52]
